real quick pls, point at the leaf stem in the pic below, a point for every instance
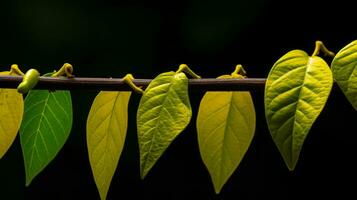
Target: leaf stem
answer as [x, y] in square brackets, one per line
[15, 70]
[66, 69]
[128, 79]
[319, 46]
[239, 72]
[184, 68]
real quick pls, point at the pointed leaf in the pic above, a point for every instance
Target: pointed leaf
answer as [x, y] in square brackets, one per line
[45, 128]
[225, 128]
[344, 69]
[106, 130]
[164, 112]
[12, 108]
[296, 91]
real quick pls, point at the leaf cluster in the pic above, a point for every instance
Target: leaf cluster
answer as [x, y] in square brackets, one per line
[296, 92]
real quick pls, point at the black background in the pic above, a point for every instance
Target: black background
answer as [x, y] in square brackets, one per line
[111, 38]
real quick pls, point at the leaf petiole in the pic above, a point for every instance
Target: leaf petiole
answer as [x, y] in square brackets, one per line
[15, 70]
[128, 79]
[319, 46]
[239, 72]
[184, 68]
[66, 69]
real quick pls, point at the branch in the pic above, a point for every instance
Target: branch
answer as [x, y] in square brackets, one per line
[117, 84]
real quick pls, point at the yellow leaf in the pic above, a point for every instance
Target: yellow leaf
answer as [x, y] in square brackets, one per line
[106, 130]
[12, 108]
[225, 128]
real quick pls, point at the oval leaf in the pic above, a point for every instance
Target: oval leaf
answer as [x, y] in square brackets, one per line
[344, 69]
[12, 108]
[225, 128]
[296, 91]
[164, 112]
[106, 131]
[45, 128]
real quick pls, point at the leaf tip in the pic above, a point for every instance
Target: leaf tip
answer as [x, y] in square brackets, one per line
[145, 169]
[29, 177]
[218, 184]
[142, 177]
[291, 165]
[103, 195]
[143, 173]
[217, 189]
[28, 182]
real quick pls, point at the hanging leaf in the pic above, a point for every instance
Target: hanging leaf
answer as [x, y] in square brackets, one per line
[106, 130]
[296, 91]
[12, 108]
[45, 128]
[164, 112]
[225, 127]
[344, 69]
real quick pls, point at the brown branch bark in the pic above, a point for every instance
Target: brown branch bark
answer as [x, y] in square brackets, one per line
[117, 84]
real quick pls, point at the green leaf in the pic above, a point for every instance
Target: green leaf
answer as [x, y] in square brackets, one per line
[344, 69]
[12, 108]
[45, 128]
[106, 130]
[225, 127]
[164, 112]
[296, 91]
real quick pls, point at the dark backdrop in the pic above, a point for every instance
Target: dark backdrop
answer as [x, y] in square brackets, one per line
[111, 38]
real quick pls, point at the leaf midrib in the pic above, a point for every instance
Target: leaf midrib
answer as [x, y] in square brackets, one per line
[109, 134]
[308, 64]
[105, 137]
[224, 140]
[35, 139]
[156, 124]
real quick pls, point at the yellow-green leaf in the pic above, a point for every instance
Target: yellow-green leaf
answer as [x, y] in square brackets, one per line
[344, 69]
[11, 111]
[106, 130]
[296, 91]
[164, 112]
[225, 128]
